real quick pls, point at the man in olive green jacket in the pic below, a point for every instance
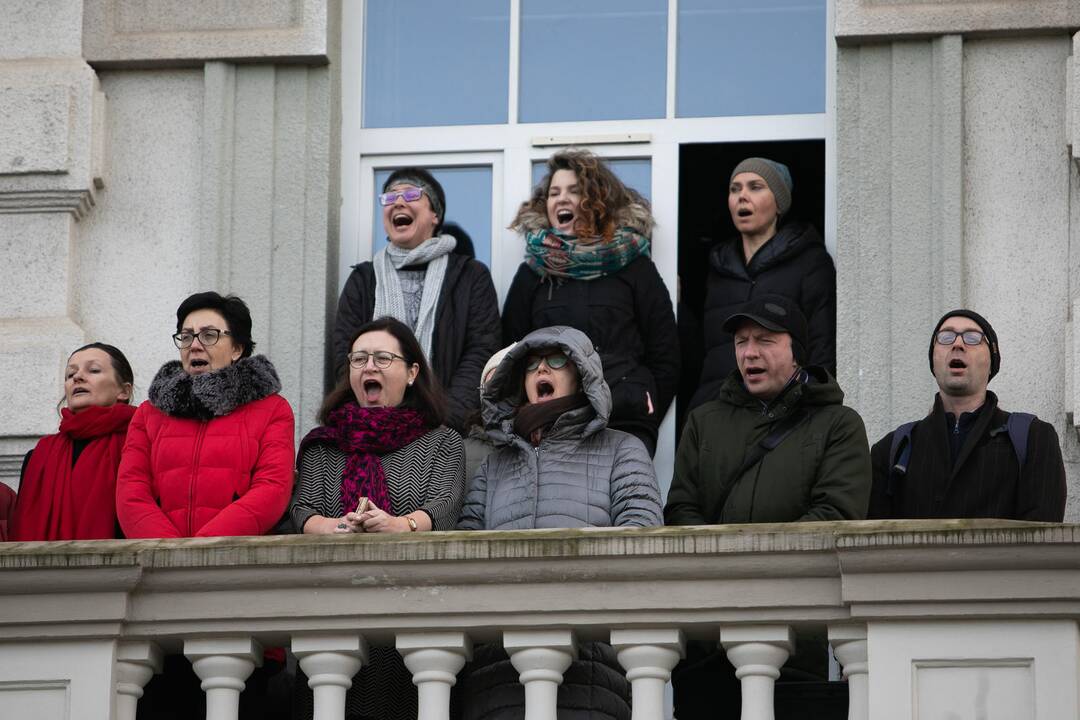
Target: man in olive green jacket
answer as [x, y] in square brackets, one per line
[778, 445]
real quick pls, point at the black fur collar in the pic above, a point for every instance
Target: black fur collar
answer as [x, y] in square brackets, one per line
[202, 397]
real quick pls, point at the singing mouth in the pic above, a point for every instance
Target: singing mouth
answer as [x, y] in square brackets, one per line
[544, 390]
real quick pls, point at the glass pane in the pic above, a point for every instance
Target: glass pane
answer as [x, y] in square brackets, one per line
[635, 173]
[596, 60]
[750, 57]
[436, 63]
[468, 203]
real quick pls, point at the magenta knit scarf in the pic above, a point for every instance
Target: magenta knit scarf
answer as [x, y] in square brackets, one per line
[365, 434]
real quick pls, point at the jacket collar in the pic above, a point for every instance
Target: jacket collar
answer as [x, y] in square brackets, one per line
[981, 428]
[210, 395]
[790, 240]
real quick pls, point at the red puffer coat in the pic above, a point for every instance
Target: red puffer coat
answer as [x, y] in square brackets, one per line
[209, 455]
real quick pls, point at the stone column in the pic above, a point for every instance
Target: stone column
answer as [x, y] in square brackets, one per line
[648, 656]
[757, 652]
[136, 663]
[540, 657]
[330, 662]
[223, 665]
[849, 644]
[51, 156]
[434, 659]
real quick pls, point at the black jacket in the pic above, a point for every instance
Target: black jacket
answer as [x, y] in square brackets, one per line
[794, 263]
[628, 317]
[466, 328]
[986, 480]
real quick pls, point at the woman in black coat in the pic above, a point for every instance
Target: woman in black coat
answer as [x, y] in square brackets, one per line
[587, 265]
[446, 298]
[767, 258]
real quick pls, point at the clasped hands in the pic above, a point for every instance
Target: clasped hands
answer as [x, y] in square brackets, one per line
[371, 520]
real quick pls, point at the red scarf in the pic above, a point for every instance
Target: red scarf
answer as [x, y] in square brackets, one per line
[60, 502]
[365, 434]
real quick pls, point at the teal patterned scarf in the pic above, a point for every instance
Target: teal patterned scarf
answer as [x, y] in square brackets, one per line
[551, 253]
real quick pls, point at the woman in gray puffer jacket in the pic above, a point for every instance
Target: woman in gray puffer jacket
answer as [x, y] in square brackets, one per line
[556, 464]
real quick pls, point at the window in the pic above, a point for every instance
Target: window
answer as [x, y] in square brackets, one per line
[436, 63]
[598, 60]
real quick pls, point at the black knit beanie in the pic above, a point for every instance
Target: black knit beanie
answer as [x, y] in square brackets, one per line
[984, 325]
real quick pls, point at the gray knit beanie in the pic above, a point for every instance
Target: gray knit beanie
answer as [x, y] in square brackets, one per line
[776, 176]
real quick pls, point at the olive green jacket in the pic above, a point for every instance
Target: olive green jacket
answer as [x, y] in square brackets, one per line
[820, 471]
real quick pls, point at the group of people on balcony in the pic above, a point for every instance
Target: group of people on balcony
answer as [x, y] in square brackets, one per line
[563, 427]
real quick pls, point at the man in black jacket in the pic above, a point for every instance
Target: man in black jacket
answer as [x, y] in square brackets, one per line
[964, 459]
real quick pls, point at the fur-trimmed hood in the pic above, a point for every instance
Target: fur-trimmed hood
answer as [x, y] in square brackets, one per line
[635, 216]
[214, 394]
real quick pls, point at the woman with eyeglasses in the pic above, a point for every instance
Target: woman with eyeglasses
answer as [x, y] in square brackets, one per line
[67, 487]
[382, 461]
[770, 255]
[587, 265]
[211, 451]
[556, 464]
[446, 299]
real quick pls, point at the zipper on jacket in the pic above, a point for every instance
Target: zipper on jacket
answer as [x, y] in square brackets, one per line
[956, 427]
[194, 474]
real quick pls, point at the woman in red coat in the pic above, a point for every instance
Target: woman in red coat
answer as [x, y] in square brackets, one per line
[211, 451]
[67, 487]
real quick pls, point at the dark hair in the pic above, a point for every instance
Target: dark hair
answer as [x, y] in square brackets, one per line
[464, 241]
[120, 366]
[602, 193]
[425, 394]
[233, 309]
[409, 174]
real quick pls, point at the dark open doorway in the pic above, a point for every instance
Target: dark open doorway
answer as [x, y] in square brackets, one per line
[704, 170]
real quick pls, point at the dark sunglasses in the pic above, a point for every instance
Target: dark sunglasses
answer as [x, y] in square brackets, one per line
[555, 361]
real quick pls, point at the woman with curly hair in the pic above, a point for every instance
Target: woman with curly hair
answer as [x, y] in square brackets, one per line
[587, 265]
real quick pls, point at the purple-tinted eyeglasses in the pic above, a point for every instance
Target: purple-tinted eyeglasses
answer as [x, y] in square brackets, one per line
[410, 194]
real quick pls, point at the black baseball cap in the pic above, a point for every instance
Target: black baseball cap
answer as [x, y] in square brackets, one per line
[777, 313]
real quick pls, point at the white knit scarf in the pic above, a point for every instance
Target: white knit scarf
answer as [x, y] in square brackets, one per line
[389, 300]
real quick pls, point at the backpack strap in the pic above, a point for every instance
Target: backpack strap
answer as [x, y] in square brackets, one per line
[783, 428]
[899, 455]
[1018, 425]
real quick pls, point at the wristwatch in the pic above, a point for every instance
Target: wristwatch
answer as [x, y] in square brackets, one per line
[412, 523]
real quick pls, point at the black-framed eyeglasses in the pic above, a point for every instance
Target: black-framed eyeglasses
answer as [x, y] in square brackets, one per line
[970, 337]
[410, 194]
[555, 361]
[382, 359]
[207, 337]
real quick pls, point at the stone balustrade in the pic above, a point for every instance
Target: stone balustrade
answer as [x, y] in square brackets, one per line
[927, 619]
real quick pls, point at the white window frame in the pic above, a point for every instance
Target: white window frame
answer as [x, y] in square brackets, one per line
[511, 148]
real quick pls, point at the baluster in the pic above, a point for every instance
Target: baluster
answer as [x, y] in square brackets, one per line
[757, 652]
[223, 664]
[330, 661]
[849, 644]
[648, 656]
[540, 657]
[136, 663]
[434, 659]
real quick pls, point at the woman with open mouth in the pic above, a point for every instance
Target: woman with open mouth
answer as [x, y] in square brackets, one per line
[772, 255]
[446, 299]
[211, 452]
[587, 265]
[556, 464]
[67, 487]
[382, 461]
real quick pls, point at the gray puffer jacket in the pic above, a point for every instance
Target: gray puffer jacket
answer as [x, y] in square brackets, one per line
[583, 474]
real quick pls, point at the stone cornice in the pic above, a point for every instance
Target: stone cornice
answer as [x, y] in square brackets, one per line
[859, 21]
